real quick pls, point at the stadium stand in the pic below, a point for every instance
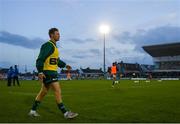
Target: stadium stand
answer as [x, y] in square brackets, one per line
[3, 73]
[92, 73]
[147, 68]
[129, 69]
[166, 58]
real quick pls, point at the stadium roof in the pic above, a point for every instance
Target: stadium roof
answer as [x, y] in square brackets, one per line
[170, 49]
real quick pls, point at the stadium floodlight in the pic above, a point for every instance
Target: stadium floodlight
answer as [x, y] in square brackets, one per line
[104, 29]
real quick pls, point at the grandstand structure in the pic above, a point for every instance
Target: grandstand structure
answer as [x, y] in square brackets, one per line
[81, 73]
[130, 68]
[3, 73]
[140, 70]
[166, 59]
[91, 73]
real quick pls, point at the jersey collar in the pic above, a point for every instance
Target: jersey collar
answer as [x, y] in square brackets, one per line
[52, 42]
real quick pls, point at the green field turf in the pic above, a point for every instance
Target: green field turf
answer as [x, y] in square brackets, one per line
[95, 101]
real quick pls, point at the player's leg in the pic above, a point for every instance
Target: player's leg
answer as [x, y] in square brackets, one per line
[117, 80]
[113, 80]
[13, 81]
[9, 82]
[38, 99]
[44, 90]
[57, 92]
[17, 79]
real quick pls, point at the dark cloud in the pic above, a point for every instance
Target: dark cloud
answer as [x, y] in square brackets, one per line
[68, 61]
[78, 40]
[89, 40]
[158, 35]
[94, 51]
[123, 37]
[14, 39]
[79, 56]
[86, 54]
[165, 34]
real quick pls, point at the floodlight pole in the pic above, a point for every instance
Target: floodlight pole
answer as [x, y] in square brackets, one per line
[104, 60]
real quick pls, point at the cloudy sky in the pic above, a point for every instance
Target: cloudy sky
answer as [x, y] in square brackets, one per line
[24, 26]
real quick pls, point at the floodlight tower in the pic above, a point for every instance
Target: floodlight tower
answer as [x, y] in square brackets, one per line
[104, 29]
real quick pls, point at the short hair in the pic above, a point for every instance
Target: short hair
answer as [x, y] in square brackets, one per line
[52, 30]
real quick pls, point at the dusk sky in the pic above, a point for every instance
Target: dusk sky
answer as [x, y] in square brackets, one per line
[24, 26]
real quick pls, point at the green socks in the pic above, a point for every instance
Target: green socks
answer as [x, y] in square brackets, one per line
[62, 108]
[35, 105]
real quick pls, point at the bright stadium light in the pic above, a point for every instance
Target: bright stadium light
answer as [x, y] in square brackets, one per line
[104, 29]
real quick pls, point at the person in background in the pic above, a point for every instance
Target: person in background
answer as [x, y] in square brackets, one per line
[15, 76]
[9, 76]
[113, 73]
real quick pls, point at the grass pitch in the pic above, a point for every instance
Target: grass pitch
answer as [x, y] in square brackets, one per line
[95, 101]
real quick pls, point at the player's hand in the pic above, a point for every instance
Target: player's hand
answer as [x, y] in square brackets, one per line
[41, 76]
[68, 67]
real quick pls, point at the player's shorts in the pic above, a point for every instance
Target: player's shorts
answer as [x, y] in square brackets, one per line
[50, 79]
[114, 75]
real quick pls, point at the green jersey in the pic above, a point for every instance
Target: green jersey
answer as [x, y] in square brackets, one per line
[46, 50]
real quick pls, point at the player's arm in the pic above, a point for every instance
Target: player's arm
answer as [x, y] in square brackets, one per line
[62, 64]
